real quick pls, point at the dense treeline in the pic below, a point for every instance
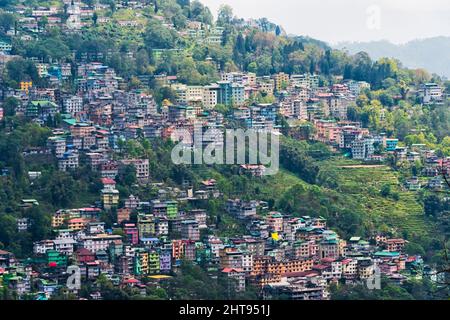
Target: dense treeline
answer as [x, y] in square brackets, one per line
[263, 48]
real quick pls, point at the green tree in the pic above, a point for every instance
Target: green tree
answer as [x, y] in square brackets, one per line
[385, 190]
[224, 15]
[10, 105]
[159, 37]
[7, 21]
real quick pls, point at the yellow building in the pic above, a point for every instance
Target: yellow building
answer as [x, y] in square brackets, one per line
[154, 265]
[143, 261]
[146, 226]
[281, 81]
[58, 220]
[25, 85]
[110, 198]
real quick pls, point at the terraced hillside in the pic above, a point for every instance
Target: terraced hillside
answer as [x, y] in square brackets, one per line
[364, 184]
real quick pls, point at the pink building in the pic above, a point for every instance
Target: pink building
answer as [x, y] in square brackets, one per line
[131, 232]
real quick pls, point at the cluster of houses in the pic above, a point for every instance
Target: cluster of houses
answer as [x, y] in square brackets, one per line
[278, 254]
[298, 257]
[350, 137]
[431, 169]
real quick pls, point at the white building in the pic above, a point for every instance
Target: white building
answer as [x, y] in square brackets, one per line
[22, 224]
[64, 246]
[99, 242]
[362, 149]
[142, 168]
[299, 110]
[41, 247]
[73, 105]
[69, 161]
[431, 93]
[210, 96]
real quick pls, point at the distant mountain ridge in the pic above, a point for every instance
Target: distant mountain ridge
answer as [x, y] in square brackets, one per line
[432, 54]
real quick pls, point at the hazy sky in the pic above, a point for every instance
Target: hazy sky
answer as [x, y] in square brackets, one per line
[349, 20]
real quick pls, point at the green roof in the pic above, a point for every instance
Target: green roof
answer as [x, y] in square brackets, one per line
[70, 121]
[43, 102]
[386, 254]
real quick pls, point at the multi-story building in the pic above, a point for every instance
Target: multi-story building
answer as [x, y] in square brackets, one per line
[241, 209]
[41, 247]
[329, 248]
[230, 258]
[99, 242]
[390, 144]
[275, 222]
[178, 249]
[230, 93]
[431, 93]
[110, 198]
[73, 105]
[76, 224]
[363, 149]
[142, 167]
[131, 233]
[154, 262]
[68, 161]
[236, 278]
[190, 230]
[146, 226]
[281, 81]
[210, 96]
[394, 245]
[310, 81]
[350, 268]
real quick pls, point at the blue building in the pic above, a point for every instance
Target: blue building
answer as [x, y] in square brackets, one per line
[230, 93]
[391, 144]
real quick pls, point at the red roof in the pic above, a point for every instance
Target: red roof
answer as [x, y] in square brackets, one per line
[131, 281]
[77, 220]
[320, 267]
[345, 261]
[84, 252]
[229, 270]
[108, 181]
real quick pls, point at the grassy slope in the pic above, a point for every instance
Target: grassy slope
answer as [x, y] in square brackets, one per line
[360, 185]
[365, 184]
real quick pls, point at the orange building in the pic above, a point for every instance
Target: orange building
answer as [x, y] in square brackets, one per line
[81, 130]
[76, 224]
[26, 85]
[266, 265]
[177, 249]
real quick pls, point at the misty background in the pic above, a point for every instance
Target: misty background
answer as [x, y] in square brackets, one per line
[417, 32]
